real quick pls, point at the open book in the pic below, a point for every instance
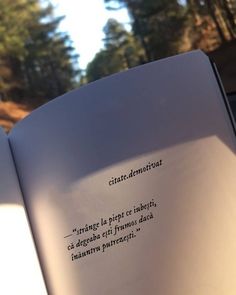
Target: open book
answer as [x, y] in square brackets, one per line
[129, 187]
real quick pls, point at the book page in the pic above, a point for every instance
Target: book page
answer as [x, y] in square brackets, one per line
[130, 183]
[19, 267]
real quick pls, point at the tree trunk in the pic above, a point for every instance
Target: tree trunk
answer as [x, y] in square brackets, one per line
[230, 16]
[211, 10]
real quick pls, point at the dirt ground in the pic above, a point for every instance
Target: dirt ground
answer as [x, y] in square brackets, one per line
[10, 113]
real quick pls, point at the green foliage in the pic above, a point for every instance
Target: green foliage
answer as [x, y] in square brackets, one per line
[121, 52]
[166, 27]
[35, 59]
[157, 24]
[14, 19]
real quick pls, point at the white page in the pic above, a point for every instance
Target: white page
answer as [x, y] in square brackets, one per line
[71, 152]
[19, 267]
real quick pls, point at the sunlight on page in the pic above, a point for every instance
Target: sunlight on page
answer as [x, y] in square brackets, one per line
[19, 272]
[169, 214]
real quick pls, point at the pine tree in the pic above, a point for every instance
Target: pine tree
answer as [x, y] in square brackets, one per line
[122, 51]
[36, 59]
[157, 24]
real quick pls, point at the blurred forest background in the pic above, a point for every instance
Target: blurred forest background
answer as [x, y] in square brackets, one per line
[39, 63]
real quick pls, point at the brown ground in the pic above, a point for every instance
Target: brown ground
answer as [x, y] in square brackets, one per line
[10, 113]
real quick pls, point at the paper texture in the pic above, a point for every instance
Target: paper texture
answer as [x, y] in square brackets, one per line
[19, 267]
[169, 228]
